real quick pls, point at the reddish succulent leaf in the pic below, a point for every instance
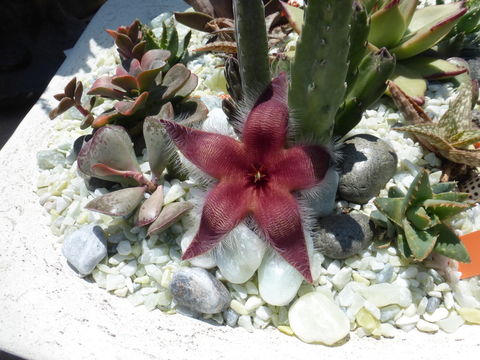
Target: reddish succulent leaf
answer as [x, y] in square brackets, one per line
[105, 119]
[138, 50]
[154, 59]
[77, 96]
[146, 79]
[118, 203]
[135, 68]
[123, 42]
[65, 104]
[110, 145]
[126, 82]
[169, 214]
[150, 208]
[174, 79]
[103, 86]
[120, 71]
[59, 96]
[193, 19]
[256, 176]
[278, 216]
[69, 90]
[128, 108]
[188, 86]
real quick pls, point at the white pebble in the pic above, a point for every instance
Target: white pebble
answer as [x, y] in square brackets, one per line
[426, 326]
[342, 277]
[334, 267]
[238, 307]
[245, 321]
[372, 309]
[439, 314]
[115, 282]
[252, 303]
[154, 272]
[124, 247]
[386, 294]
[407, 320]
[451, 323]
[174, 193]
[129, 269]
[387, 330]
[264, 313]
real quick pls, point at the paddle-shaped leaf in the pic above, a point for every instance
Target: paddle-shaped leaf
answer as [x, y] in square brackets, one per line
[169, 214]
[118, 203]
[156, 143]
[150, 208]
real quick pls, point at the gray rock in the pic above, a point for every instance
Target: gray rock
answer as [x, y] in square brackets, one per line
[432, 304]
[341, 236]
[368, 163]
[198, 290]
[48, 159]
[230, 317]
[386, 274]
[85, 248]
[323, 202]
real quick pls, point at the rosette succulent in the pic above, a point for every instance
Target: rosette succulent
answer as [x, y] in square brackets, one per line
[109, 155]
[419, 218]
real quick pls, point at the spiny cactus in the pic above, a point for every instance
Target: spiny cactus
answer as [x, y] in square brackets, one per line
[419, 218]
[450, 137]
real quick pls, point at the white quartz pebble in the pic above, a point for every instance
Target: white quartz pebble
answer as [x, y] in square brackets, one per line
[451, 323]
[439, 314]
[115, 282]
[426, 326]
[252, 303]
[129, 269]
[174, 193]
[407, 320]
[387, 294]
[314, 318]
[124, 247]
[342, 277]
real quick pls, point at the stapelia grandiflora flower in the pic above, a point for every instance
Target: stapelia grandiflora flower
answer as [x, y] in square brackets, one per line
[257, 178]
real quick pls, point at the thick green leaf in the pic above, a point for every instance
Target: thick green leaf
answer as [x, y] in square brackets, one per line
[445, 209]
[359, 28]
[420, 242]
[419, 217]
[410, 82]
[432, 68]
[118, 203]
[448, 244]
[387, 25]
[392, 208]
[466, 138]
[110, 145]
[459, 114]
[443, 187]
[451, 196]
[156, 143]
[169, 214]
[395, 192]
[402, 245]
[418, 191]
[150, 208]
[322, 50]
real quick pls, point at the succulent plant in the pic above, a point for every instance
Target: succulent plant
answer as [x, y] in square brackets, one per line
[129, 41]
[256, 177]
[406, 32]
[452, 137]
[109, 155]
[419, 218]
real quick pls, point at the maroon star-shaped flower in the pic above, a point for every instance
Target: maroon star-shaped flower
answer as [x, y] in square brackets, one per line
[256, 177]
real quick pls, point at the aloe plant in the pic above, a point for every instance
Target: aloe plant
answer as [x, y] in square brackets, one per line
[109, 155]
[450, 137]
[419, 218]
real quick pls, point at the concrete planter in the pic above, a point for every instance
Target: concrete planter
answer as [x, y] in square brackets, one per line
[46, 312]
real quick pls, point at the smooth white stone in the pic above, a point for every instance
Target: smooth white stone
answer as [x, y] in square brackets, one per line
[238, 307]
[407, 320]
[174, 193]
[115, 282]
[372, 309]
[314, 318]
[252, 303]
[264, 313]
[278, 281]
[124, 247]
[387, 330]
[154, 272]
[206, 261]
[422, 306]
[129, 269]
[426, 326]
[342, 277]
[389, 312]
[387, 294]
[245, 321]
[451, 323]
[437, 315]
[334, 267]
[240, 254]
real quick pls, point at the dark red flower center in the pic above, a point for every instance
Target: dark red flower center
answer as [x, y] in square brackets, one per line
[258, 176]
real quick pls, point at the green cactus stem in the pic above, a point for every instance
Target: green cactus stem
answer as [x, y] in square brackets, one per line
[322, 50]
[252, 48]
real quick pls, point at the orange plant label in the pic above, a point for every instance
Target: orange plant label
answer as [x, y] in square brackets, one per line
[472, 243]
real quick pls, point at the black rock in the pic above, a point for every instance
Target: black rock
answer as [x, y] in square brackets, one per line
[341, 236]
[198, 290]
[368, 164]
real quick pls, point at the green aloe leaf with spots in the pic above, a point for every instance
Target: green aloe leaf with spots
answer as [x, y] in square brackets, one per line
[419, 219]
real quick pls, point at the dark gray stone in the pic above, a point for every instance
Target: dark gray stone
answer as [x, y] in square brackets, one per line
[432, 304]
[230, 317]
[48, 159]
[198, 290]
[368, 164]
[85, 248]
[341, 236]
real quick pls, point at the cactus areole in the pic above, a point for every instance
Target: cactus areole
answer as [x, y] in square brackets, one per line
[256, 178]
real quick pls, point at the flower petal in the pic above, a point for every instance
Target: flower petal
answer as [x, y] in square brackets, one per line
[278, 215]
[265, 129]
[301, 167]
[215, 154]
[225, 207]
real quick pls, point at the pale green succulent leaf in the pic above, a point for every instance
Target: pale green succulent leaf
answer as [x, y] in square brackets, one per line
[156, 143]
[410, 82]
[443, 187]
[387, 25]
[429, 25]
[420, 242]
[418, 191]
[391, 207]
[418, 217]
[459, 114]
[294, 16]
[451, 196]
[431, 68]
[448, 244]
[408, 7]
[402, 244]
[444, 208]
[466, 138]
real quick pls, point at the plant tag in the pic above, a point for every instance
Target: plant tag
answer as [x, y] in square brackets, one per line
[472, 243]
